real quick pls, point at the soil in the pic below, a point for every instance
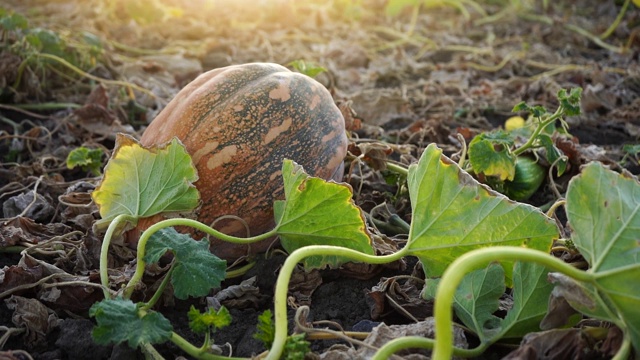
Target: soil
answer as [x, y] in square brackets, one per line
[403, 81]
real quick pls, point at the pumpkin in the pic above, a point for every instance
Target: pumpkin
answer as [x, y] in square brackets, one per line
[239, 123]
[528, 177]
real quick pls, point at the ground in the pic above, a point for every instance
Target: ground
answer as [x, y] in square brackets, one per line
[404, 79]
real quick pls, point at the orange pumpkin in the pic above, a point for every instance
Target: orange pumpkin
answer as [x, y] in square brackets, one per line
[238, 123]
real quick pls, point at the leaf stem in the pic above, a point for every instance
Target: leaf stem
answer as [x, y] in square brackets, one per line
[397, 168]
[541, 125]
[48, 106]
[81, 72]
[150, 352]
[405, 342]
[156, 296]
[282, 284]
[240, 271]
[625, 349]
[104, 250]
[396, 220]
[476, 259]
[555, 206]
[616, 22]
[15, 249]
[146, 235]
[197, 352]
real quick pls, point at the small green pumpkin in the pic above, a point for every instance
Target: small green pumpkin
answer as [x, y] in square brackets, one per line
[239, 123]
[529, 175]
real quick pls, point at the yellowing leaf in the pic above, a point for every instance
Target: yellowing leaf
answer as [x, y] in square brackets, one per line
[490, 154]
[317, 212]
[143, 182]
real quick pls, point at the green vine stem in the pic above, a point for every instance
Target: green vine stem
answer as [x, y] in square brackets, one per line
[552, 210]
[398, 169]
[146, 235]
[476, 259]
[47, 106]
[541, 125]
[397, 344]
[616, 22]
[240, 271]
[104, 250]
[87, 75]
[158, 294]
[196, 352]
[282, 284]
[150, 352]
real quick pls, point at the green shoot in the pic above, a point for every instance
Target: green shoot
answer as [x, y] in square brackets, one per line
[295, 346]
[265, 330]
[208, 321]
[88, 159]
[307, 68]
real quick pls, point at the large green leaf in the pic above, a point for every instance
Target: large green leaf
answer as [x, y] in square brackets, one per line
[196, 270]
[454, 214]
[317, 212]
[142, 182]
[603, 209]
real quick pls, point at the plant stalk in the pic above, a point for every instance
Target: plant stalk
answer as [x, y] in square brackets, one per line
[541, 125]
[104, 250]
[282, 284]
[197, 353]
[476, 259]
[146, 235]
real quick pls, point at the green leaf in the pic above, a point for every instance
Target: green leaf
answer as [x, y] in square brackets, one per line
[119, 320]
[454, 214]
[195, 270]
[571, 101]
[143, 182]
[318, 212]
[88, 159]
[531, 291]
[210, 320]
[48, 42]
[553, 154]
[307, 68]
[476, 299]
[536, 110]
[603, 209]
[266, 329]
[631, 149]
[296, 347]
[490, 154]
[11, 21]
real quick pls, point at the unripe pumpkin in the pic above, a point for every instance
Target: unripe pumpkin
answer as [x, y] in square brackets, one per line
[528, 177]
[239, 123]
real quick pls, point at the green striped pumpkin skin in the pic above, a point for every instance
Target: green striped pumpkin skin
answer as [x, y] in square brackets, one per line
[239, 123]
